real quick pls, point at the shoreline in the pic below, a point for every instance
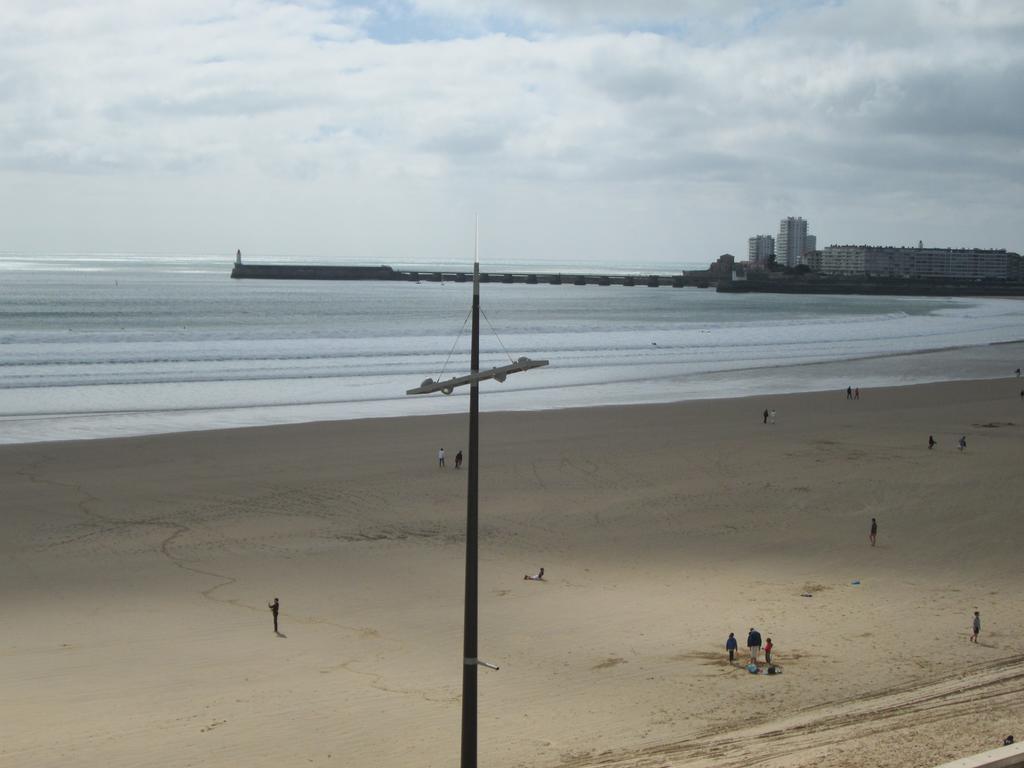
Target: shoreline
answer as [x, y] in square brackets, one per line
[623, 407]
[775, 381]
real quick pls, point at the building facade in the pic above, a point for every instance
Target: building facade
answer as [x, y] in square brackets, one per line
[792, 241]
[759, 248]
[888, 261]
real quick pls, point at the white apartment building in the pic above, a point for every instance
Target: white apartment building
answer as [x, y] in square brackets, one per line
[759, 248]
[888, 261]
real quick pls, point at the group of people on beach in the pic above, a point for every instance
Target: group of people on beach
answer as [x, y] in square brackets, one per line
[961, 443]
[853, 393]
[440, 459]
[753, 646]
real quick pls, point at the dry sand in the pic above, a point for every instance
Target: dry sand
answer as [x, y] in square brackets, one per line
[136, 575]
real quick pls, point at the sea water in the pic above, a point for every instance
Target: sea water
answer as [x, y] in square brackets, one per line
[106, 345]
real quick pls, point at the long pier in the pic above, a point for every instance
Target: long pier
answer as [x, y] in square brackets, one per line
[316, 272]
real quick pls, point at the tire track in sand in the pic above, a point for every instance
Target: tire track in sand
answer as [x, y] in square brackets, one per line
[809, 732]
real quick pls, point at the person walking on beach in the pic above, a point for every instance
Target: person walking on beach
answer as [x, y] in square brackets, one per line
[730, 646]
[856, 393]
[962, 442]
[1018, 373]
[931, 442]
[975, 627]
[440, 458]
[754, 644]
[275, 607]
[874, 531]
[768, 651]
[771, 416]
[849, 393]
[458, 460]
[765, 415]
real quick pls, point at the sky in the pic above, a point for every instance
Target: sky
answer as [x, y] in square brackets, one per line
[641, 131]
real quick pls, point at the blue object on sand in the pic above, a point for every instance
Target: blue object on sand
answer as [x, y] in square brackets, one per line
[855, 582]
[752, 668]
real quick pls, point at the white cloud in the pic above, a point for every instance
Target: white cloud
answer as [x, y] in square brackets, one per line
[313, 124]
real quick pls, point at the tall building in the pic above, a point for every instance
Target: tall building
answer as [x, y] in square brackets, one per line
[759, 248]
[792, 242]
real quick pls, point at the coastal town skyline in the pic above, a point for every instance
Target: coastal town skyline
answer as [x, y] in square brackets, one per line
[668, 131]
[795, 245]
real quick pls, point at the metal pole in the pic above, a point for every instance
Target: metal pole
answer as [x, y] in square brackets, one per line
[469, 661]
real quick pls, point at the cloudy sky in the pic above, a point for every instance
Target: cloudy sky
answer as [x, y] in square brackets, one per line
[648, 130]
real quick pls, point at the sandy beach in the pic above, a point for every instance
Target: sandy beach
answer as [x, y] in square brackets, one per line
[136, 574]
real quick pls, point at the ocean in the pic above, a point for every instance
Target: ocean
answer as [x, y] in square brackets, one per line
[108, 345]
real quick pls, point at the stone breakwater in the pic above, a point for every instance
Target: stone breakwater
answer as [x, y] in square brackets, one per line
[315, 272]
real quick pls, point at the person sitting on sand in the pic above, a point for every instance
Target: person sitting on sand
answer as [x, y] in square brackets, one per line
[538, 577]
[1009, 739]
[931, 442]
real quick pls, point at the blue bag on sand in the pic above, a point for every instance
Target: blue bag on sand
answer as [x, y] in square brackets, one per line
[752, 669]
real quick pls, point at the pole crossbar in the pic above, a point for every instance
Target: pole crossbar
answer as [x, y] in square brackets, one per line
[448, 386]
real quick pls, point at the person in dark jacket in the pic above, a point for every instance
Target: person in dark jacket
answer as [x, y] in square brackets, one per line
[754, 644]
[730, 646]
[274, 607]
